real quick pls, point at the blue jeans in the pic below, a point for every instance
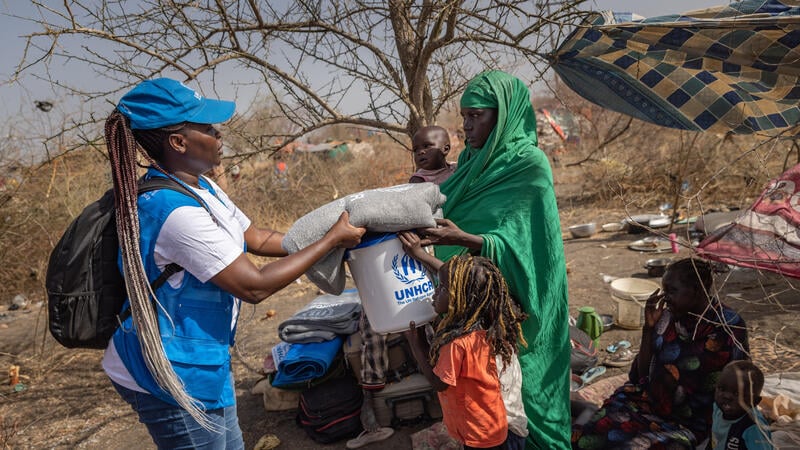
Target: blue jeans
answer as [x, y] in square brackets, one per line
[171, 427]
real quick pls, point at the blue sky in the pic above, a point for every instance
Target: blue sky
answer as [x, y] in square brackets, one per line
[16, 99]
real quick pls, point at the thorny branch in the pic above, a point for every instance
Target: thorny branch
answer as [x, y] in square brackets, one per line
[392, 66]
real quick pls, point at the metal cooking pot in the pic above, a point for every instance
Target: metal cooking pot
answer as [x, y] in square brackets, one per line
[657, 266]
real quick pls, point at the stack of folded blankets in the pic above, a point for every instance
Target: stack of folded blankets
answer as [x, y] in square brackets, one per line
[312, 338]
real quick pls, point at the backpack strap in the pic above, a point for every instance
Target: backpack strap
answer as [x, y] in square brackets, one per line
[154, 184]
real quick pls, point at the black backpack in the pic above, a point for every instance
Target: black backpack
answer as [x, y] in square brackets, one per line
[331, 411]
[85, 290]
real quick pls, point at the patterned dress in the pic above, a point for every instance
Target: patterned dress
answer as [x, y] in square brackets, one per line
[671, 407]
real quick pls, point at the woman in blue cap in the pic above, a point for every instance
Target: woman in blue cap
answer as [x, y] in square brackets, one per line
[171, 362]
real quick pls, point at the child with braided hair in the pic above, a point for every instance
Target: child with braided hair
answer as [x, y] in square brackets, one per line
[475, 341]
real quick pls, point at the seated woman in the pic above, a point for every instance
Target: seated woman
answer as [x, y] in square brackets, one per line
[687, 339]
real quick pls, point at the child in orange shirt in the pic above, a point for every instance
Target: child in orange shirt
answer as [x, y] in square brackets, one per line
[480, 323]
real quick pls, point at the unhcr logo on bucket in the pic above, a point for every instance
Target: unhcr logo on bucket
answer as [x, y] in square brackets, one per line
[413, 273]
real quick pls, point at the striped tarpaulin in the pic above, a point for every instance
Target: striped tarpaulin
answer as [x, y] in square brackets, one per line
[728, 68]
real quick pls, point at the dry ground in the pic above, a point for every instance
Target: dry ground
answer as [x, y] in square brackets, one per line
[68, 403]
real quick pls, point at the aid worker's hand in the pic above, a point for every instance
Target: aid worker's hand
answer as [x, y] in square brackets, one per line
[344, 234]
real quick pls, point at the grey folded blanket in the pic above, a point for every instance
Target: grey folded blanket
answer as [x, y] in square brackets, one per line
[391, 209]
[323, 319]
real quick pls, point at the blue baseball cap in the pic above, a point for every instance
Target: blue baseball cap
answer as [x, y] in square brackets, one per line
[163, 101]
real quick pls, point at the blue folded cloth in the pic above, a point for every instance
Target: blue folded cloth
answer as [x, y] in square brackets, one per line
[304, 362]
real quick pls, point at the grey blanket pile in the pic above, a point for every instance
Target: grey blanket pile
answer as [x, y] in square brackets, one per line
[391, 209]
[323, 318]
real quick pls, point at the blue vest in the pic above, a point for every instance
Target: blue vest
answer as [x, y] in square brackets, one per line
[196, 326]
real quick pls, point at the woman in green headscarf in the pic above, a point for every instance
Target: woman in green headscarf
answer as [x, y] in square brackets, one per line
[501, 204]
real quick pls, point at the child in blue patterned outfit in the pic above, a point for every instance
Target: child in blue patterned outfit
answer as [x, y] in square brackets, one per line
[738, 424]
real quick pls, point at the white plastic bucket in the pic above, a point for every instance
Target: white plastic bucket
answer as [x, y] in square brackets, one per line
[630, 313]
[630, 295]
[394, 287]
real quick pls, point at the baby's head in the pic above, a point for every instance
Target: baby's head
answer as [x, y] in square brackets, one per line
[738, 389]
[430, 146]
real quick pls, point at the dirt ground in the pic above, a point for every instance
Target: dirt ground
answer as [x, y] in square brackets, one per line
[67, 402]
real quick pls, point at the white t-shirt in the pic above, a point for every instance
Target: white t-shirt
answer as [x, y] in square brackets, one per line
[191, 238]
[511, 388]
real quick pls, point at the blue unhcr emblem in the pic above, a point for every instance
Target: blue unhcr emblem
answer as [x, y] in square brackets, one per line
[413, 274]
[410, 270]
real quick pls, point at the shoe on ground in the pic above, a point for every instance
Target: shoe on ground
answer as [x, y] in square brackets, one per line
[368, 437]
[620, 359]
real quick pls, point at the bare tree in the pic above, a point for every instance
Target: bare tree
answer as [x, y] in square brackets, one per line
[399, 61]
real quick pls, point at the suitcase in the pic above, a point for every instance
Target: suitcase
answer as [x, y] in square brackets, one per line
[401, 361]
[409, 401]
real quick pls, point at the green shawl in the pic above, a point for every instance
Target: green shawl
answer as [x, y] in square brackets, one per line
[504, 193]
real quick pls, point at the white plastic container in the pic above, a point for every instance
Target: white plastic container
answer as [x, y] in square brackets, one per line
[630, 296]
[394, 287]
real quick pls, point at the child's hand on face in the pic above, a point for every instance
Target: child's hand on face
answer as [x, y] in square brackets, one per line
[411, 243]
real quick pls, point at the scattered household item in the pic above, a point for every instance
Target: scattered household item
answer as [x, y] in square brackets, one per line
[651, 244]
[267, 442]
[623, 344]
[612, 226]
[629, 294]
[673, 241]
[608, 321]
[331, 411]
[638, 224]
[656, 266]
[323, 318]
[583, 230]
[578, 382]
[394, 287]
[592, 374]
[406, 402]
[390, 209]
[622, 358]
[368, 437]
[590, 323]
[584, 351]
[659, 222]
[637, 289]
[710, 222]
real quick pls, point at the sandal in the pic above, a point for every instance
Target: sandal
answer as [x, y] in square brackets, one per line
[368, 437]
[621, 345]
[590, 375]
[575, 383]
[621, 359]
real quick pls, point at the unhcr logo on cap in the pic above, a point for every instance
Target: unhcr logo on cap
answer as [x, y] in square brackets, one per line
[195, 93]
